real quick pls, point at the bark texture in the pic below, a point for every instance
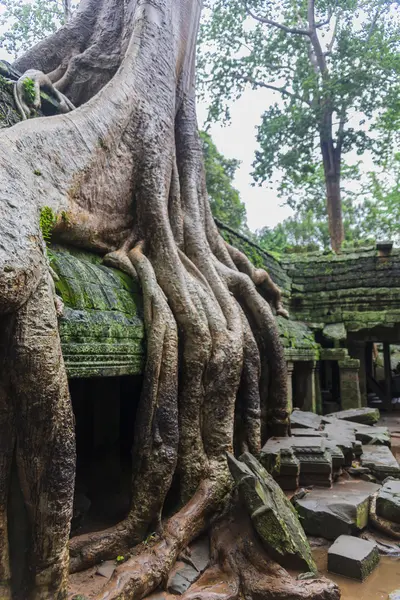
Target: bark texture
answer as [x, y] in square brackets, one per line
[123, 173]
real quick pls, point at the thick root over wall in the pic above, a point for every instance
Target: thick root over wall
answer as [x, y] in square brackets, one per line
[124, 174]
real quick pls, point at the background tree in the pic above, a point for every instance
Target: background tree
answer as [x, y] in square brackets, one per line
[26, 23]
[224, 198]
[370, 213]
[335, 65]
[123, 175]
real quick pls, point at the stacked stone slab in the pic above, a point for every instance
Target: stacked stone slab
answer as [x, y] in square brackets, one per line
[302, 460]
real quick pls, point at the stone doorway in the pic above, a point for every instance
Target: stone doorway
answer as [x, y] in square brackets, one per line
[105, 411]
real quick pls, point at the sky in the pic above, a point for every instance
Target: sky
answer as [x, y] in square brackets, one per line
[238, 140]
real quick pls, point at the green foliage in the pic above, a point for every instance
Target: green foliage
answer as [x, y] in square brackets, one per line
[29, 90]
[26, 23]
[347, 96]
[47, 222]
[224, 198]
[370, 214]
[120, 560]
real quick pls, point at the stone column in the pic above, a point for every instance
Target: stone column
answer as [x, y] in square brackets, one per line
[349, 383]
[358, 350]
[388, 375]
[310, 403]
[290, 368]
[318, 395]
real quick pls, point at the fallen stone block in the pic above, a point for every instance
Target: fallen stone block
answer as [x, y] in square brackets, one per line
[380, 461]
[272, 514]
[366, 416]
[181, 578]
[304, 432]
[344, 438]
[353, 557]
[106, 569]
[388, 501]
[308, 420]
[199, 553]
[342, 510]
[375, 436]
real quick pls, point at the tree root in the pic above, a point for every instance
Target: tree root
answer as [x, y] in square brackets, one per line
[156, 439]
[387, 527]
[240, 568]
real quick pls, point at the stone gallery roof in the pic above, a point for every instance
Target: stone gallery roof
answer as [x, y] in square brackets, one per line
[102, 330]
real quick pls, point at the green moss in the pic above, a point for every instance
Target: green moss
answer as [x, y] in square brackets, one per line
[29, 90]
[362, 515]
[47, 221]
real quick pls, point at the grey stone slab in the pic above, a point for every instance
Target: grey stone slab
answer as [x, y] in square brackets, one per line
[106, 569]
[344, 438]
[380, 461]
[394, 595]
[305, 432]
[308, 420]
[181, 578]
[366, 416]
[373, 435]
[200, 553]
[353, 557]
[388, 501]
[342, 510]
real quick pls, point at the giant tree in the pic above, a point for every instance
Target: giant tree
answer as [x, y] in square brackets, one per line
[122, 175]
[335, 66]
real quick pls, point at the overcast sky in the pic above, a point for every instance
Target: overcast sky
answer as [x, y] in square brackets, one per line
[239, 141]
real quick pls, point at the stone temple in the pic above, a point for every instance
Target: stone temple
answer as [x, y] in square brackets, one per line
[340, 307]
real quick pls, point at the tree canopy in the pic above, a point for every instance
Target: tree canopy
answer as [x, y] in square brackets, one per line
[371, 212]
[334, 66]
[26, 23]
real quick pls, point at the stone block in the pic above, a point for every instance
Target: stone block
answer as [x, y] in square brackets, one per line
[305, 419]
[181, 578]
[272, 514]
[366, 416]
[380, 461]
[106, 569]
[343, 437]
[353, 557]
[376, 436]
[340, 511]
[388, 501]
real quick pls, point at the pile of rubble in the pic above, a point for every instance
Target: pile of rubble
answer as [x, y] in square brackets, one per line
[350, 449]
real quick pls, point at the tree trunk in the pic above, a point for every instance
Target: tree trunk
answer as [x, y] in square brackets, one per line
[123, 175]
[331, 161]
[334, 203]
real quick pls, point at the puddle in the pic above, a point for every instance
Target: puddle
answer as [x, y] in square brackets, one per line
[384, 580]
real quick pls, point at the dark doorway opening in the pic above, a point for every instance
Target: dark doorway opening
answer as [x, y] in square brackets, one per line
[105, 411]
